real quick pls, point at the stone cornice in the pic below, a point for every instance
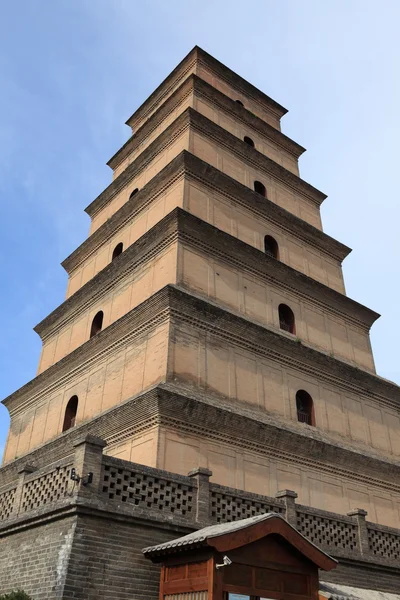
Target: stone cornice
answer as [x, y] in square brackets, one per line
[196, 412]
[181, 308]
[208, 416]
[142, 199]
[217, 243]
[202, 89]
[241, 194]
[241, 113]
[230, 327]
[182, 70]
[107, 425]
[251, 156]
[145, 249]
[165, 139]
[152, 123]
[193, 119]
[187, 164]
[145, 317]
[183, 226]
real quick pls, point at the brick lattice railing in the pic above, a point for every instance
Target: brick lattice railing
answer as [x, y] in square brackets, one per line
[146, 488]
[328, 530]
[35, 488]
[7, 502]
[383, 542]
[232, 505]
[126, 487]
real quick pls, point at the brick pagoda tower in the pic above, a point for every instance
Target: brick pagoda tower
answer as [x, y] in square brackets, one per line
[206, 329]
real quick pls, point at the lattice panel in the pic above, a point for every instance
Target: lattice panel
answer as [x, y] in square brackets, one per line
[6, 504]
[327, 532]
[147, 491]
[226, 508]
[45, 489]
[384, 544]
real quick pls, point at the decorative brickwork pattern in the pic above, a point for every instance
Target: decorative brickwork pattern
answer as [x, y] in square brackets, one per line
[325, 531]
[45, 489]
[147, 491]
[155, 491]
[6, 503]
[228, 507]
[384, 544]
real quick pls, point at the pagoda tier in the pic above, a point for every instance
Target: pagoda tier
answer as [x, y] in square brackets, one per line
[179, 382]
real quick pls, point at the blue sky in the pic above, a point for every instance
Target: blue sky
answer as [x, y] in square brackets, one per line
[72, 72]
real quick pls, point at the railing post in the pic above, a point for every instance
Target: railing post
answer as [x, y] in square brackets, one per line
[360, 515]
[289, 499]
[202, 476]
[22, 472]
[87, 464]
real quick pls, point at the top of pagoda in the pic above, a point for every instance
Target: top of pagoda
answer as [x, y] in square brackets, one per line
[184, 69]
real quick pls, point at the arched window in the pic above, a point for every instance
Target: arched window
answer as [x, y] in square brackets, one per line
[97, 323]
[240, 103]
[286, 319]
[135, 191]
[248, 141]
[70, 413]
[260, 188]
[305, 408]
[117, 250]
[271, 246]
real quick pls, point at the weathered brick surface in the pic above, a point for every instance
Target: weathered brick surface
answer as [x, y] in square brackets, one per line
[364, 576]
[107, 562]
[85, 557]
[88, 556]
[36, 559]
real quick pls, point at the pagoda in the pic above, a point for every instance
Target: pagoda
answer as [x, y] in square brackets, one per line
[206, 331]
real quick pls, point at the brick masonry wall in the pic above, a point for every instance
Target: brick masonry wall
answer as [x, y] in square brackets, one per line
[89, 557]
[362, 576]
[86, 541]
[107, 561]
[84, 557]
[36, 559]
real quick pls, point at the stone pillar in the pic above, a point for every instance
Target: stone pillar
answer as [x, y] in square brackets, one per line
[289, 498]
[22, 472]
[202, 476]
[360, 514]
[88, 459]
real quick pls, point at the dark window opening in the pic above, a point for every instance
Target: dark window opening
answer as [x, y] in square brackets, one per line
[117, 250]
[260, 188]
[248, 141]
[286, 319]
[97, 323]
[271, 246]
[135, 191]
[240, 103]
[70, 413]
[305, 408]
